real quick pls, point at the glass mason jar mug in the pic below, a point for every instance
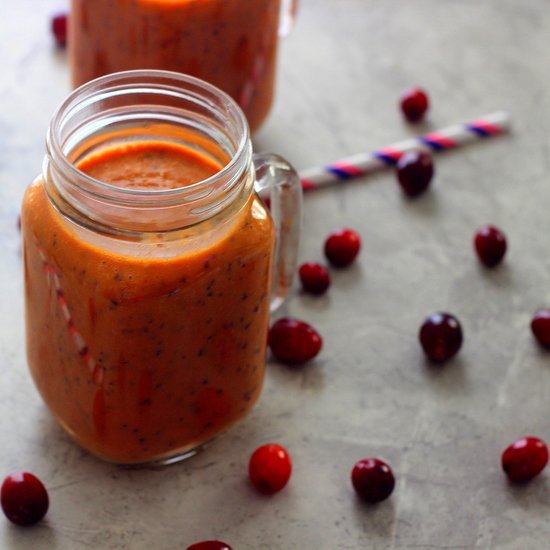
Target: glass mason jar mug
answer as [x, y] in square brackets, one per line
[229, 43]
[151, 264]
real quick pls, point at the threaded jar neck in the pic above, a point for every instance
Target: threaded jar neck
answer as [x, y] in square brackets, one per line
[146, 105]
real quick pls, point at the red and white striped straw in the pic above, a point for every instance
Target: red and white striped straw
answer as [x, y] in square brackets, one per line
[82, 348]
[441, 140]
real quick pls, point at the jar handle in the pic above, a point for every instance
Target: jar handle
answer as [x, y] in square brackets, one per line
[288, 14]
[275, 175]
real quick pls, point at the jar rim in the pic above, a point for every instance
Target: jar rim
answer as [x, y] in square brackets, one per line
[163, 83]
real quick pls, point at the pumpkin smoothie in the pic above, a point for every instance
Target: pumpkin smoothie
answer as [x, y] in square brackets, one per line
[145, 350]
[229, 43]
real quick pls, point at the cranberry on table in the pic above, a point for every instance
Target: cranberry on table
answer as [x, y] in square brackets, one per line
[490, 245]
[314, 277]
[372, 479]
[24, 498]
[414, 172]
[525, 459]
[294, 341]
[209, 545]
[269, 468]
[440, 336]
[414, 104]
[540, 326]
[59, 29]
[342, 247]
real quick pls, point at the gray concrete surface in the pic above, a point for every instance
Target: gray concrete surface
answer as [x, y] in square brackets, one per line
[370, 392]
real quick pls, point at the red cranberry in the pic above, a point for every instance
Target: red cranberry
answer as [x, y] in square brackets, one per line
[342, 247]
[209, 545]
[372, 480]
[440, 336]
[540, 326]
[490, 245]
[24, 498]
[414, 172]
[269, 468]
[294, 341]
[414, 104]
[59, 29]
[314, 277]
[524, 459]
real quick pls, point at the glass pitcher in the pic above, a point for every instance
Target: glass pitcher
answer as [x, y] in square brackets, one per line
[151, 265]
[229, 43]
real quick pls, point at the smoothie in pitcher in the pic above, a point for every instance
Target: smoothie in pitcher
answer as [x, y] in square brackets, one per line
[143, 350]
[229, 43]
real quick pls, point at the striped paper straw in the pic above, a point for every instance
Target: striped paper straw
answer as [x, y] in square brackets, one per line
[441, 140]
[82, 348]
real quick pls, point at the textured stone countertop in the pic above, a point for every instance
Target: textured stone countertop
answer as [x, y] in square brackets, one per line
[370, 392]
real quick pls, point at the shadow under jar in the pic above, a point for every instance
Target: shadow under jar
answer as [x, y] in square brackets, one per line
[151, 264]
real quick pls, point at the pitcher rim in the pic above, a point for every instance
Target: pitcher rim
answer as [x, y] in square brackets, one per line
[163, 83]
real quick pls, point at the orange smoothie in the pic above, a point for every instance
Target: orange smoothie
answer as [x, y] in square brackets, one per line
[229, 43]
[144, 350]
